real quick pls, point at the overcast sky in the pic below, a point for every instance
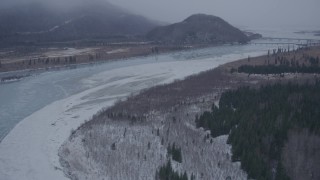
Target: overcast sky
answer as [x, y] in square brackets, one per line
[241, 13]
[262, 13]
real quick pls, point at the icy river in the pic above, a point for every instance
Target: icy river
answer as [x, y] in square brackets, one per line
[38, 112]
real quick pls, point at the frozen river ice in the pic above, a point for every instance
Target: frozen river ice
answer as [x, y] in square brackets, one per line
[20, 99]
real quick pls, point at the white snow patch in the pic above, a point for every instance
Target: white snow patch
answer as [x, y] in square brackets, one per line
[118, 51]
[68, 52]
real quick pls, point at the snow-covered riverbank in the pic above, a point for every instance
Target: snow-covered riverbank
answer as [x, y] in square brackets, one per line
[30, 150]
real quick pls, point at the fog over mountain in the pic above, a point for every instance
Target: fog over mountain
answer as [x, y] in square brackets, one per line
[58, 4]
[37, 21]
[34, 22]
[251, 13]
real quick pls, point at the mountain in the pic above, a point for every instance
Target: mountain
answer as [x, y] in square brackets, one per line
[38, 22]
[198, 28]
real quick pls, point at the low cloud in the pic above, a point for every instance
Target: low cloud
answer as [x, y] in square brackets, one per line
[250, 13]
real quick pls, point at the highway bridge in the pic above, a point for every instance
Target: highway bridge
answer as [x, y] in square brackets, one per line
[299, 42]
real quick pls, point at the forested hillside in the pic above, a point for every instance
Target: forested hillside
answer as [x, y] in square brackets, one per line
[258, 122]
[282, 65]
[198, 28]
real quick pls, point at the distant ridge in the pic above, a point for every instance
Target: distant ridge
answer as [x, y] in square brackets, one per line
[38, 22]
[198, 28]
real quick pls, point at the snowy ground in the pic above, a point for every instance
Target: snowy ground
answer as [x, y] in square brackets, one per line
[68, 52]
[30, 150]
[119, 149]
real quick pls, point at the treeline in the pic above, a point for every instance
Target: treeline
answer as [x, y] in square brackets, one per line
[42, 62]
[167, 173]
[175, 152]
[282, 65]
[273, 69]
[258, 120]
